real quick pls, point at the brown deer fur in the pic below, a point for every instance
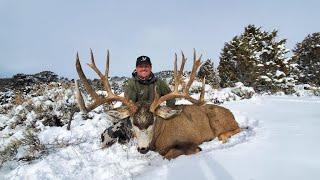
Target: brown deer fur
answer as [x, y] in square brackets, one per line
[196, 124]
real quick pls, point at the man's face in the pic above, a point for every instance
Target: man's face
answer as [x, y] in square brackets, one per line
[143, 70]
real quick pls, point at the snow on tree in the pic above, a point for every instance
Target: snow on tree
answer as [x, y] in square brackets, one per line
[307, 55]
[207, 69]
[258, 59]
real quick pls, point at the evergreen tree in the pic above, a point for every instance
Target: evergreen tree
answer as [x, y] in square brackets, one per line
[256, 58]
[307, 55]
[207, 70]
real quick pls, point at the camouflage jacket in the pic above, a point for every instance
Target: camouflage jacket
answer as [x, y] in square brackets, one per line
[139, 90]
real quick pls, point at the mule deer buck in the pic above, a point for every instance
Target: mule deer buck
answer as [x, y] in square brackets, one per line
[168, 131]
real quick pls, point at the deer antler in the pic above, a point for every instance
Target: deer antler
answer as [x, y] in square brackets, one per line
[98, 100]
[177, 81]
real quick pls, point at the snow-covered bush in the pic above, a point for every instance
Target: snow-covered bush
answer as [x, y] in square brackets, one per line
[51, 104]
[9, 151]
[218, 96]
[242, 91]
[230, 94]
[208, 71]
[27, 148]
[6, 97]
[306, 90]
[258, 59]
[20, 123]
[307, 55]
[31, 148]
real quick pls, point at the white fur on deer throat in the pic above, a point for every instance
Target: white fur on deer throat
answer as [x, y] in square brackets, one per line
[144, 137]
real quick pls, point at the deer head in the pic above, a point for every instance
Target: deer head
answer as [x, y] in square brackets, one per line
[142, 115]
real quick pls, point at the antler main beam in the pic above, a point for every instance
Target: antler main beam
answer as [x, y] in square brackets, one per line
[98, 100]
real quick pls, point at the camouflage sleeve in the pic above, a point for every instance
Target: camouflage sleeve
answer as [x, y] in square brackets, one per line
[130, 90]
[164, 89]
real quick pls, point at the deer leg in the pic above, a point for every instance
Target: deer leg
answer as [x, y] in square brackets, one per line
[173, 153]
[182, 150]
[226, 135]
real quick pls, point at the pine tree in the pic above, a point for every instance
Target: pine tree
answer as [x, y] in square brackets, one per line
[207, 70]
[257, 59]
[307, 55]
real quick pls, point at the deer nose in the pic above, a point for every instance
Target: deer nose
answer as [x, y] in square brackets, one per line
[143, 150]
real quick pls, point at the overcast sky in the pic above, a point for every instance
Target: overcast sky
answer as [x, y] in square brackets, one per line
[37, 35]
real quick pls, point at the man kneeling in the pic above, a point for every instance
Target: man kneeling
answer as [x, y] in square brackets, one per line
[139, 88]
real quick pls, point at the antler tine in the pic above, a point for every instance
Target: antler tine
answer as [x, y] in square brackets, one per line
[183, 62]
[104, 79]
[79, 98]
[97, 100]
[195, 66]
[93, 64]
[92, 58]
[177, 76]
[175, 73]
[201, 99]
[84, 79]
[107, 64]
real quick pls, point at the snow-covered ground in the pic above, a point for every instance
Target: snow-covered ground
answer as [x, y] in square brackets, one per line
[284, 145]
[281, 143]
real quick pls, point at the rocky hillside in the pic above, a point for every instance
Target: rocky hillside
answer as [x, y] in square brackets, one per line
[20, 81]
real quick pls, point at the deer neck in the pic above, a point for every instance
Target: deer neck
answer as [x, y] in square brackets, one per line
[159, 127]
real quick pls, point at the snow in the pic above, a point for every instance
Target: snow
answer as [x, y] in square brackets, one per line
[266, 78]
[280, 142]
[279, 73]
[282, 146]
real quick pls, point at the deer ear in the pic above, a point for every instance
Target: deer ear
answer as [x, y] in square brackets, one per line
[119, 113]
[166, 112]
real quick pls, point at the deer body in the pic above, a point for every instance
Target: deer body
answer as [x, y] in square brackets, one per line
[196, 124]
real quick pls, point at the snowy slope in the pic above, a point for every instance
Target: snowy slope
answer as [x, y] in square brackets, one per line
[280, 144]
[284, 146]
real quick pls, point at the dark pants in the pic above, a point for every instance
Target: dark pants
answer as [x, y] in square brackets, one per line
[119, 131]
